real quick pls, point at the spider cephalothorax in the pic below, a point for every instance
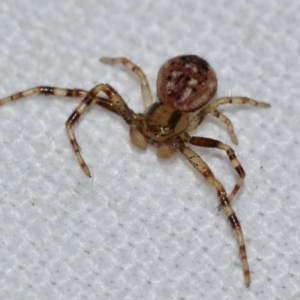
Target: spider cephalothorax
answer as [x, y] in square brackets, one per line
[185, 84]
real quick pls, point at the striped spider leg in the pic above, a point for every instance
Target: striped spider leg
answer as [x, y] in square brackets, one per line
[63, 92]
[211, 108]
[114, 103]
[184, 84]
[203, 168]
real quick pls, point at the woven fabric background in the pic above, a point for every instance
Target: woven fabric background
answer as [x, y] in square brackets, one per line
[141, 227]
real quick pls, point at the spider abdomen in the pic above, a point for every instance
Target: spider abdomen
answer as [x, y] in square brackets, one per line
[186, 82]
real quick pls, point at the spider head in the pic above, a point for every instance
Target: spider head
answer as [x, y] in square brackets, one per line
[162, 121]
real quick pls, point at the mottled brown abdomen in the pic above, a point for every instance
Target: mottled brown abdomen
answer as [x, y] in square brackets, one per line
[186, 82]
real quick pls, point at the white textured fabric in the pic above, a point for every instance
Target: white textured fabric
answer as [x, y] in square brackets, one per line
[143, 228]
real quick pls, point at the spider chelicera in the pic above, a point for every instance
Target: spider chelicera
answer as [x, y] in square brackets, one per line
[185, 84]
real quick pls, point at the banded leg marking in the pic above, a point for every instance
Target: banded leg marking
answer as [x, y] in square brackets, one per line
[210, 108]
[45, 90]
[227, 122]
[119, 106]
[211, 143]
[203, 168]
[89, 98]
[57, 91]
[237, 100]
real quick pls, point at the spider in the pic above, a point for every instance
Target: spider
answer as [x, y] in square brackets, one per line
[185, 84]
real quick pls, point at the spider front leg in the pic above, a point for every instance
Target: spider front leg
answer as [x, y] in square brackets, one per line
[211, 108]
[118, 106]
[46, 90]
[56, 91]
[146, 92]
[211, 143]
[203, 168]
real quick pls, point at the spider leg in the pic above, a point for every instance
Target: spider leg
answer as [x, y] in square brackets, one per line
[203, 168]
[211, 143]
[237, 100]
[114, 104]
[146, 92]
[197, 119]
[57, 91]
[211, 108]
[118, 104]
[45, 90]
